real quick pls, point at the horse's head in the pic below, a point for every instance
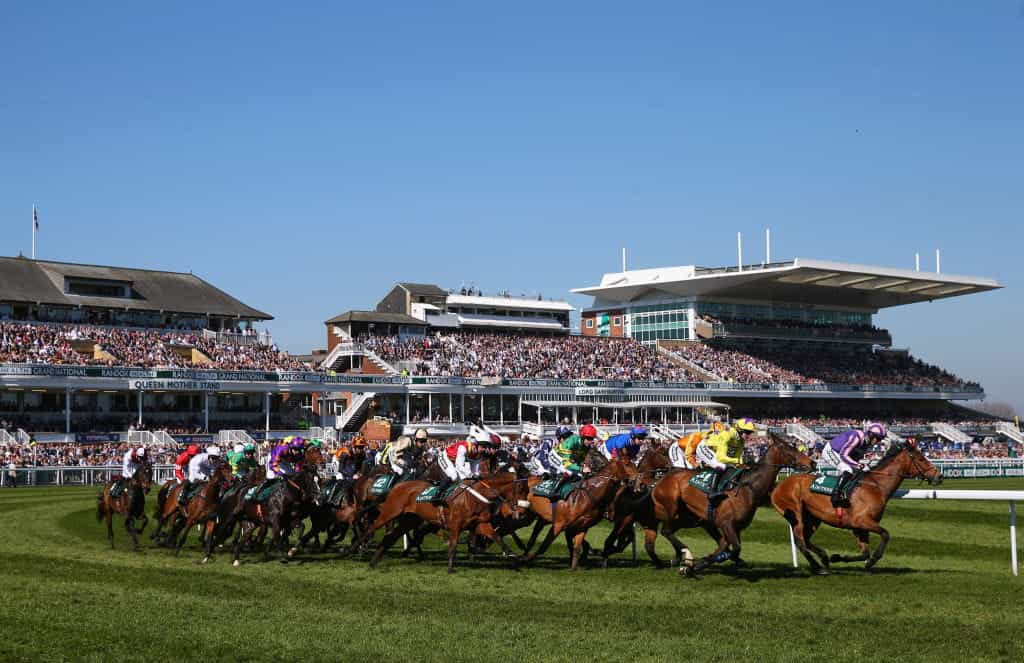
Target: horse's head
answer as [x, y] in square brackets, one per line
[309, 484]
[623, 469]
[914, 464]
[313, 456]
[784, 454]
[145, 475]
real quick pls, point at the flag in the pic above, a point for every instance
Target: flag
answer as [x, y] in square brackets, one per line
[35, 218]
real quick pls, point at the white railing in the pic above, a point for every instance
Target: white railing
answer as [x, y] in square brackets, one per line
[74, 475]
[803, 433]
[1010, 431]
[326, 434]
[950, 432]
[164, 439]
[229, 437]
[7, 439]
[346, 349]
[22, 437]
[142, 438]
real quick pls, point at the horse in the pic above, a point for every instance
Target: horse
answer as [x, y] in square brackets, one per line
[673, 505]
[583, 508]
[166, 511]
[286, 506]
[736, 512]
[222, 523]
[654, 464]
[805, 511]
[131, 504]
[471, 507]
[201, 506]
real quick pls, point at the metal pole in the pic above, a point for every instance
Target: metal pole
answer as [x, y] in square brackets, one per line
[634, 542]
[1013, 537]
[792, 546]
[206, 412]
[67, 410]
[266, 412]
[140, 408]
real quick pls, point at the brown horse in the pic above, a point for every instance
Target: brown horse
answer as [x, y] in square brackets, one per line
[131, 504]
[471, 507]
[805, 510]
[201, 506]
[583, 508]
[653, 465]
[166, 511]
[287, 506]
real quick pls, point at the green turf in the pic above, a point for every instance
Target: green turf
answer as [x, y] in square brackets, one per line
[943, 592]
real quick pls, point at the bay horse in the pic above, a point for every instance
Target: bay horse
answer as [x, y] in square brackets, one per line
[278, 513]
[131, 504]
[653, 466]
[166, 511]
[222, 523]
[805, 511]
[201, 506]
[584, 507]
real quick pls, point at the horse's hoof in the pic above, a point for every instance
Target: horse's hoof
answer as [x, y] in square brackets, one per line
[237, 562]
[204, 560]
[821, 571]
[291, 552]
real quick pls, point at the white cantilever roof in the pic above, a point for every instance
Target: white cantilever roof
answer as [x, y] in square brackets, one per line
[816, 282]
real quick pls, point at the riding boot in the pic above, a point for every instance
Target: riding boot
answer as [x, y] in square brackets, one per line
[717, 495]
[839, 493]
[183, 492]
[441, 488]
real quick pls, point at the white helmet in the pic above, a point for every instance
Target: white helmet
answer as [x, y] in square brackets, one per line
[239, 448]
[213, 451]
[141, 452]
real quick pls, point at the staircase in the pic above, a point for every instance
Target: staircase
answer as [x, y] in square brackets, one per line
[1010, 431]
[804, 434]
[350, 349]
[679, 360]
[352, 418]
[229, 438]
[326, 434]
[950, 432]
[22, 437]
[164, 439]
[7, 439]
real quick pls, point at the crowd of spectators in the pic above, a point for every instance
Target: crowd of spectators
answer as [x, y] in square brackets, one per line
[467, 354]
[149, 348]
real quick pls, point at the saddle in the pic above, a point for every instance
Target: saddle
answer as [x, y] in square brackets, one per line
[263, 491]
[430, 494]
[825, 484]
[234, 488]
[119, 487]
[704, 480]
[334, 491]
[383, 484]
[547, 489]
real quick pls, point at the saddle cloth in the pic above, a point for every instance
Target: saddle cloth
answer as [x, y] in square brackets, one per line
[546, 489]
[429, 494]
[704, 479]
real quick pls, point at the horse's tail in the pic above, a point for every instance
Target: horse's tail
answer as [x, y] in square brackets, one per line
[100, 510]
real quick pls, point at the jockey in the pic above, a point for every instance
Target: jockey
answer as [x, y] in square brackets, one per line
[627, 444]
[683, 452]
[200, 468]
[243, 466]
[181, 462]
[286, 458]
[235, 455]
[845, 451]
[569, 454]
[458, 462]
[398, 455]
[132, 461]
[722, 450]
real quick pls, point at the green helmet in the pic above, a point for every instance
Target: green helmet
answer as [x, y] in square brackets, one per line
[316, 443]
[249, 447]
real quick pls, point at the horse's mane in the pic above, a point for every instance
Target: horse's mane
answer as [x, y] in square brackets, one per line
[596, 460]
[891, 453]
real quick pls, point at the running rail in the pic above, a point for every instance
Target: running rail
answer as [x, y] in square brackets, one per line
[1011, 496]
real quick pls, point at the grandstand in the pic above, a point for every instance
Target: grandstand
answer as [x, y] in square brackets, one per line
[87, 349]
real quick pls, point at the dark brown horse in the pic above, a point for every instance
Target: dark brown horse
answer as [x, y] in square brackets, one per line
[284, 509]
[653, 465]
[201, 506]
[220, 526]
[583, 508]
[131, 504]
[805, 510]
[166, 511]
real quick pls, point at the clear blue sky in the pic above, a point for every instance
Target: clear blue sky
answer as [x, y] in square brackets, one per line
[272, 149]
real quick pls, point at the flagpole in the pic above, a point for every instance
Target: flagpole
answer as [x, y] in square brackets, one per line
[34, 223]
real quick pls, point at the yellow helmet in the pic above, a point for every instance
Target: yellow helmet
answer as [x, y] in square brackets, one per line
[744, 425]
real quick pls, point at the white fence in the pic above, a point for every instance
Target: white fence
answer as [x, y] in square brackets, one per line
[1011, 496]
[73, 475]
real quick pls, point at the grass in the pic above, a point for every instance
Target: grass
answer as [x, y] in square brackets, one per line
[943, 592]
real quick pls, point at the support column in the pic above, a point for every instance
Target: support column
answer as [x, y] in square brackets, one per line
[266, 412]
[501, 409]
[408, 406]
[1013, 537]
[206, 412]
[139, 423]
[67, 410]
[430, 407]
[451, 408]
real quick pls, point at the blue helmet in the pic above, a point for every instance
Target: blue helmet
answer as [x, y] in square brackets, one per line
[563, 432]
[638, 431]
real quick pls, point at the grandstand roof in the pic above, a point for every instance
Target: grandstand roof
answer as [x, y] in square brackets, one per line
[43, 282]
[509, 302]
[817, 282]
[376, 316]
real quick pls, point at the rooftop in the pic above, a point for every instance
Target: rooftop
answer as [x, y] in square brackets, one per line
[376, 316]
[42, 282]
[806, 281]
[509, 302]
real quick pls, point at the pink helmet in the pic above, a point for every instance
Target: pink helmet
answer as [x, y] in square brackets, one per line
[876, 430]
